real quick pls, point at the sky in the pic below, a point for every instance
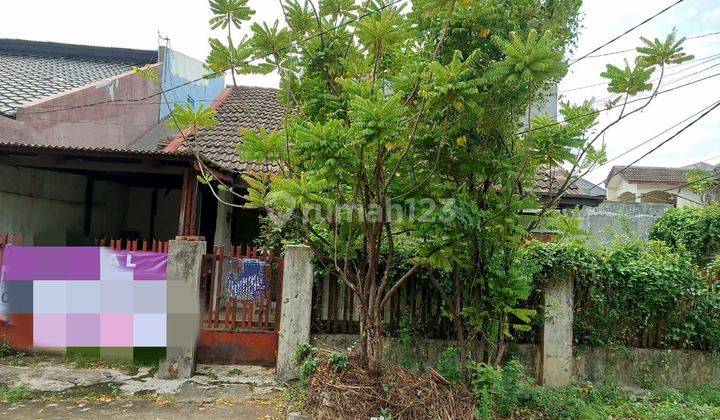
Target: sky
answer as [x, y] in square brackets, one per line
[136, 23]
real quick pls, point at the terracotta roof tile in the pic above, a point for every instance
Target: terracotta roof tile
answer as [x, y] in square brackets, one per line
[244, 108]
[649, 174]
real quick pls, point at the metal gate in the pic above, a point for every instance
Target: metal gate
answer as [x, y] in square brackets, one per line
[240, 315]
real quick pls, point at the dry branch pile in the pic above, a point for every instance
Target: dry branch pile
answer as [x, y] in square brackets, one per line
[353, 394]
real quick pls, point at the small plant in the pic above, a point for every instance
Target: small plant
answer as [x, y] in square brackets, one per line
[234, 372]
[212, 375]
[15, 393]
[303, 351]
[339, 361]
[448, 364]
[308, 367]
[5, 347]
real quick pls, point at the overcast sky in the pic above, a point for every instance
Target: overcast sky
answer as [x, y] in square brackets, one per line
[135, 24]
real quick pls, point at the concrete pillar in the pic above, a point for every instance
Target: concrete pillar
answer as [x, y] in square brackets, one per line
[223, 221]
[295, 309]
[183, 307]
[557, 350]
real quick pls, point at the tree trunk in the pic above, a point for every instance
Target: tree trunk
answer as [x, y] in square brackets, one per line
[372, 343]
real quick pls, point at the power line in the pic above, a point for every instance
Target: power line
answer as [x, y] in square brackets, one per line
[597, 111]
[696, 63]
[634, 49]
[216, 73]
[704, 114]
[711, 158]
[627, 31]
[653, 137]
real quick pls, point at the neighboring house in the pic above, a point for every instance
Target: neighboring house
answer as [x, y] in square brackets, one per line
[651, 184]
[79, 131]
[577, 193]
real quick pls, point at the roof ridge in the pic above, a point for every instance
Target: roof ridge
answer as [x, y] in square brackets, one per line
[91, 52]
[252, 87]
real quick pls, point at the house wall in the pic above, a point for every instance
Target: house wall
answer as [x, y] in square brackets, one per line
[627, 192]
[107, 125]
[180, 70]
[48, 208]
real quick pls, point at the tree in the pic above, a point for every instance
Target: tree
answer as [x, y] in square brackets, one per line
[394, 108]
[395, 114]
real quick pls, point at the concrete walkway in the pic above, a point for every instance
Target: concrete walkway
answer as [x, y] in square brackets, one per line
[61, 390]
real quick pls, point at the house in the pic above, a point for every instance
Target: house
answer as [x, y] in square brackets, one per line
[652, 184]
[79, 130]
[85, 152]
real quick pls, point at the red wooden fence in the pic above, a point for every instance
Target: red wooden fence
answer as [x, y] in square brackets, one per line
[6, 240]
[239, 332]
[134, 245]
[225, 313]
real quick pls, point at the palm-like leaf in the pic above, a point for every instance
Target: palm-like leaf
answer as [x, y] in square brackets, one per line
[297, 193]
[382, 31]
[188, 118]
[229, 12]
[337, 8]
[300, 19]
[262, 146]
[271, 43]
[629, 81]
[533, 60]
[662, 53]
[228, 57]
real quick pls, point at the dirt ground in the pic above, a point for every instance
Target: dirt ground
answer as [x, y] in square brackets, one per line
[270, 407]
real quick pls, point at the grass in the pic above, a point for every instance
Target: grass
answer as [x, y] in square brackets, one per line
[510, 394]
[14, 393]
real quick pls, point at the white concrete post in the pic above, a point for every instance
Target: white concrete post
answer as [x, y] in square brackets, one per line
[557, 346]
[223, 223]
[183, 307]
[295, 308]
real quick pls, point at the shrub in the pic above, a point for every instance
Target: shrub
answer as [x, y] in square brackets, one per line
[308, 368]
[695, 229]
[634, 294]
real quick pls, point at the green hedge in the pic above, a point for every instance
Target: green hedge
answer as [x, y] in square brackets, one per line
[636, 294]
[697, 230]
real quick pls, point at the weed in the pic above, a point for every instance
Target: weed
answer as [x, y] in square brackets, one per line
[212, 375]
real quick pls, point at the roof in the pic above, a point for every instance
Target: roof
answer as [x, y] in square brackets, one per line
[237, 109]
[649, 175]
[590, 188]
[16, 147]
[32, 70]
[545, 178]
